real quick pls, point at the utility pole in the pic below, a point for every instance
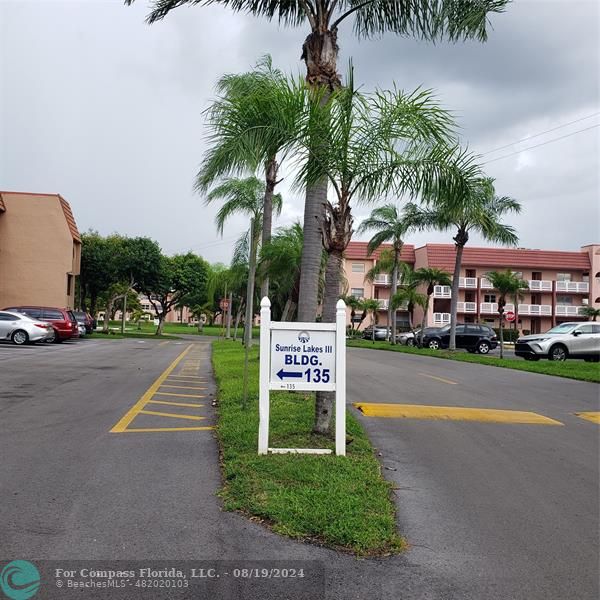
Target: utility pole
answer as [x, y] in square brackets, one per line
[124, 313]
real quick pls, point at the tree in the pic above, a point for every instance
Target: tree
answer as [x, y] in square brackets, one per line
[371, 305]
[251, 125]
[591, 312]
[430, 277]
[425, 19]
[507, 284]
[244, 196]
[408, 296]
[391, 225]
[477, 210]
[354, 304]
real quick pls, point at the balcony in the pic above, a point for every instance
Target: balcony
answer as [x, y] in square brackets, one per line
[566, 310]
[467, 282]
[441, 318]
[383, 279]
[491, 308]
[466, 307]
[485, 284]
[540, 285]
[384, 304]
[577, 287]
[442, 291]
[540, 310]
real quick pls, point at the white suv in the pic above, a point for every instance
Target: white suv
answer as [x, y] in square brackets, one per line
[567, 340]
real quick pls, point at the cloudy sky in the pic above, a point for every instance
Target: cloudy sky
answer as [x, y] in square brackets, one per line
[106, 110]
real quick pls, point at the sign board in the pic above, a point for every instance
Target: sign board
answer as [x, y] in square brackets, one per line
[302, 357]
[509, 316]
[302, 360]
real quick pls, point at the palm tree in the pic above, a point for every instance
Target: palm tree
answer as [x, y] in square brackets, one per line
[354, 304]
[370, 305]
[251, 123]
[408, 296]
[391, 225]
[477, 210]
[430, 277]
[591, 312]
[244, 196]
[444, 19]
[508, 285]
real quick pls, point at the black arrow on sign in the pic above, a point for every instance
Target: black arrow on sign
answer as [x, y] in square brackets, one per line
[281, 374]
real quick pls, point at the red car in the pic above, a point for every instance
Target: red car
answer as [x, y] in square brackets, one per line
[62, 319]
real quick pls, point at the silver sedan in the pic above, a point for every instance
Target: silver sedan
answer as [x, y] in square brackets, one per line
[21, 329]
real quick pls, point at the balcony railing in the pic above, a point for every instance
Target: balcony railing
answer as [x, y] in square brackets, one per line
[491, 308]
[579, 287]
[442, 291]
[441, 318]
[467, 282]
[544, 310]
[485, 284]
[537, 285]
[383, 279]
[466, 307]
[566, 310]
[383, 304]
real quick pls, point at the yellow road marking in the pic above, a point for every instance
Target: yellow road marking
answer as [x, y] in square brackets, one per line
[174, 416]
[137, 407]
[453, 413]
[181, 395]
[594, 417]
[183, 387]
[187, 377]
[190, 404]
[449, 381]
[145, 430]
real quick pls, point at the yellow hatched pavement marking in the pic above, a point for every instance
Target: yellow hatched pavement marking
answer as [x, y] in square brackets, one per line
[180, 395]
[594, 417]
[130, 415]
[147, 429]
[187, 377]
[452, 413]
[190, 404]
[183, 387]
[174, 416]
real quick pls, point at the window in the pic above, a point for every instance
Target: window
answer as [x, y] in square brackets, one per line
[469, 319]
[563, 277]
[34, 313]
[357, 292]
[69, 284]
[489, 298]
[470, 273]
[460, 329]
[7, 317]
[595, 328]
[564, 299]
[587, 328]
[55, 315]
[358, 267]
[518, 274]
[469, 296]
[536, 275]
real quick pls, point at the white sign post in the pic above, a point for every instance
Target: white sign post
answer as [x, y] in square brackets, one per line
[302, 357]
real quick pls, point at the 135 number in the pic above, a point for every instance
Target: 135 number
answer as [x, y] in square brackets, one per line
[317, 375]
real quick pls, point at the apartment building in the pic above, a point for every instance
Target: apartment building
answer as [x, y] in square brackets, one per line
[40, 250]
[560, 283]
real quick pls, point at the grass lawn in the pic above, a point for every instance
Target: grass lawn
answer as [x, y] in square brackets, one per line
[342, 502]
[571, 369]
[148, 328]
[117, 335]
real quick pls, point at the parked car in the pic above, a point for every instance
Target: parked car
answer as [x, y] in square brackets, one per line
[62, 320]
[85, 319]
[410, 338]
[81, 331]
[21, 329]
[470, 336]
[381, 332]
[567, 340]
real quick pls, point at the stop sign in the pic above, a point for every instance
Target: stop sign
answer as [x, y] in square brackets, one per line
[510, 316]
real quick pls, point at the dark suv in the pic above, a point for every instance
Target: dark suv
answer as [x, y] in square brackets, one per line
[470, 336]
[62, 319]
[85, 319]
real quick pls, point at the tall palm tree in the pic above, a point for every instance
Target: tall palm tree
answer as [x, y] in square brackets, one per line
[430, 277]
[591, 312]
[370, 305]
[408, 295]
[477, 210]
[244, 196]
[508, 285]
[391, 225]
[251, 123]
[425, 19]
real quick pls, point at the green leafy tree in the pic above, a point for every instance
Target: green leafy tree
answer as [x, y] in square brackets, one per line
[354, 304]
[508, 285]
[477, 210]
[409, 297]
[370, 305]
[430, 277]
[424, 19]
[591, 312]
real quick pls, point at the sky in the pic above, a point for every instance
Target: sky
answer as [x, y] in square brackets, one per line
[108, 111]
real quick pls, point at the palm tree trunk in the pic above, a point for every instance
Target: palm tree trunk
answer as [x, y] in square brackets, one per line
[325, 400]
[424, 319]
[394, 312]
[270, 183]
[238, 316]
[501, 334]
[454, 297]
[250, 288]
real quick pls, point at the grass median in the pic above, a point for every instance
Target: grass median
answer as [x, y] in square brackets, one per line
[341, 502]
[570, 369]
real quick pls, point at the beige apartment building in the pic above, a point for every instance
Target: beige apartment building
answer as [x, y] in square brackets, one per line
[560, 283]
[40, 250]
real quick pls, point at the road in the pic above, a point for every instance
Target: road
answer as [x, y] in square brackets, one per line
[101, 461]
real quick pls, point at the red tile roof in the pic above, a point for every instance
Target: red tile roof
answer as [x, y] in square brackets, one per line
[443, 256]
[358, 250]
[70, 219]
